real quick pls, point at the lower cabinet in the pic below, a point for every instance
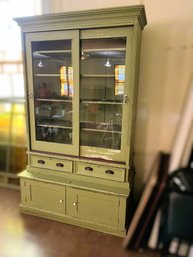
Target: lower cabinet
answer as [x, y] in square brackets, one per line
[103, 211]
[92, 206]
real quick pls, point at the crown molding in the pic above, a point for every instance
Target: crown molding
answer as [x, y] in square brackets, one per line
[108, 17]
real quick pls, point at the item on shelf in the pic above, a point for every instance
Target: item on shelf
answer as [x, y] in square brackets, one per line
[43, 91]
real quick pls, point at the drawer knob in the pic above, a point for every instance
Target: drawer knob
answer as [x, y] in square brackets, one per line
[111, 172]
[74, 203]
[61, 201]
[59, 164]
[88, 168]
[41, 161]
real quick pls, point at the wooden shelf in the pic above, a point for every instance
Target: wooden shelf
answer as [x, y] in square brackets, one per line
[101, 130]
[53, 126]
[51, 51]
[100, 102]
[97, 75]
[53, 100]
[47, 75]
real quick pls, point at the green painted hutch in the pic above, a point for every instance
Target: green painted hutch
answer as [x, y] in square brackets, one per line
[81, 74]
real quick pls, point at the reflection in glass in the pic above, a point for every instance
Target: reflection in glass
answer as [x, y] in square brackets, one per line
[5, 118]
[66, 81]
[12, 127]
[119, 79]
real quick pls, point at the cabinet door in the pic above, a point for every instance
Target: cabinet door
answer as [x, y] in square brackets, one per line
[46, 196]
[53, 92]
[92, 206]
[105, 86]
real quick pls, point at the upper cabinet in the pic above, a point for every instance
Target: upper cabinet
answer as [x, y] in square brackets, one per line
[81, 81]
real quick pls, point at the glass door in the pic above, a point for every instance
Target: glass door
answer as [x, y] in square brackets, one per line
[52, 65]
[104, 93]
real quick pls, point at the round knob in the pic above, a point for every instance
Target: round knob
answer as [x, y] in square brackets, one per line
[61, 201]
[74, 204]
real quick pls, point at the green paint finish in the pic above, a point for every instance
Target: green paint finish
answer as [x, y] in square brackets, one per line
[48, 197]
[68, 128]
[100, 171]
[51, 163]
[80, 168]
[109, 17]
[82, 182]
[93, 207]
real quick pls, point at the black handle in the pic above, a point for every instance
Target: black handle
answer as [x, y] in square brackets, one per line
[41, 161]
[89, 168]
[109, 172]
[59, 164]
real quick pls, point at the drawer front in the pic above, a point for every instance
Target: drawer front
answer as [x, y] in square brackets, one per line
[100, 171]
[51, 163]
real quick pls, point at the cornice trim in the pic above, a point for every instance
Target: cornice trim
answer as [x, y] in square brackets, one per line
[119, 16]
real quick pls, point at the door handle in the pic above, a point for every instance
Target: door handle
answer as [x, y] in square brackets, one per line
[88, 168]
[126, 99]
[41, 161]
[59, 164]
[111, 172]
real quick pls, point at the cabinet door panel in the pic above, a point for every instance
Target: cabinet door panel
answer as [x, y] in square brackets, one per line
[47, 197]
[92, 206]
[53, 67]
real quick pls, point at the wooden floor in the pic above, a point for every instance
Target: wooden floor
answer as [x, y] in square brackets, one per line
[28, 236]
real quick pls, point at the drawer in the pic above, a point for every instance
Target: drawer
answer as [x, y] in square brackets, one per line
[100, 171]
[51, 163]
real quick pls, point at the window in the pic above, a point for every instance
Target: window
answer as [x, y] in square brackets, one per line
[12, 112]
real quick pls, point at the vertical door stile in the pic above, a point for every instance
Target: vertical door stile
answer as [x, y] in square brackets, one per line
[76, 89]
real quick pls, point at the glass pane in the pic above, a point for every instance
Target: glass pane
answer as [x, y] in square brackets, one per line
[5, 81]
[18, 85]
[17, 153]
[102, 91]
[53, 90]
[98, 139]
[18, 125]
[3, 157]
[5, 118]
[101, 125]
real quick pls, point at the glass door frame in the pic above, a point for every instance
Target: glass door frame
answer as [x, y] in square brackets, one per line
[106, 153]
[69, 149]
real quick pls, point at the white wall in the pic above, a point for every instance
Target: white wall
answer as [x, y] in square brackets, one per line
[165, 70]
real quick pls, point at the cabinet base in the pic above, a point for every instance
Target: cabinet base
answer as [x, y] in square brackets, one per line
[71, 221]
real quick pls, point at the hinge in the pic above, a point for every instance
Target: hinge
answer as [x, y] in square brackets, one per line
[24, 183]
[26, 199]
